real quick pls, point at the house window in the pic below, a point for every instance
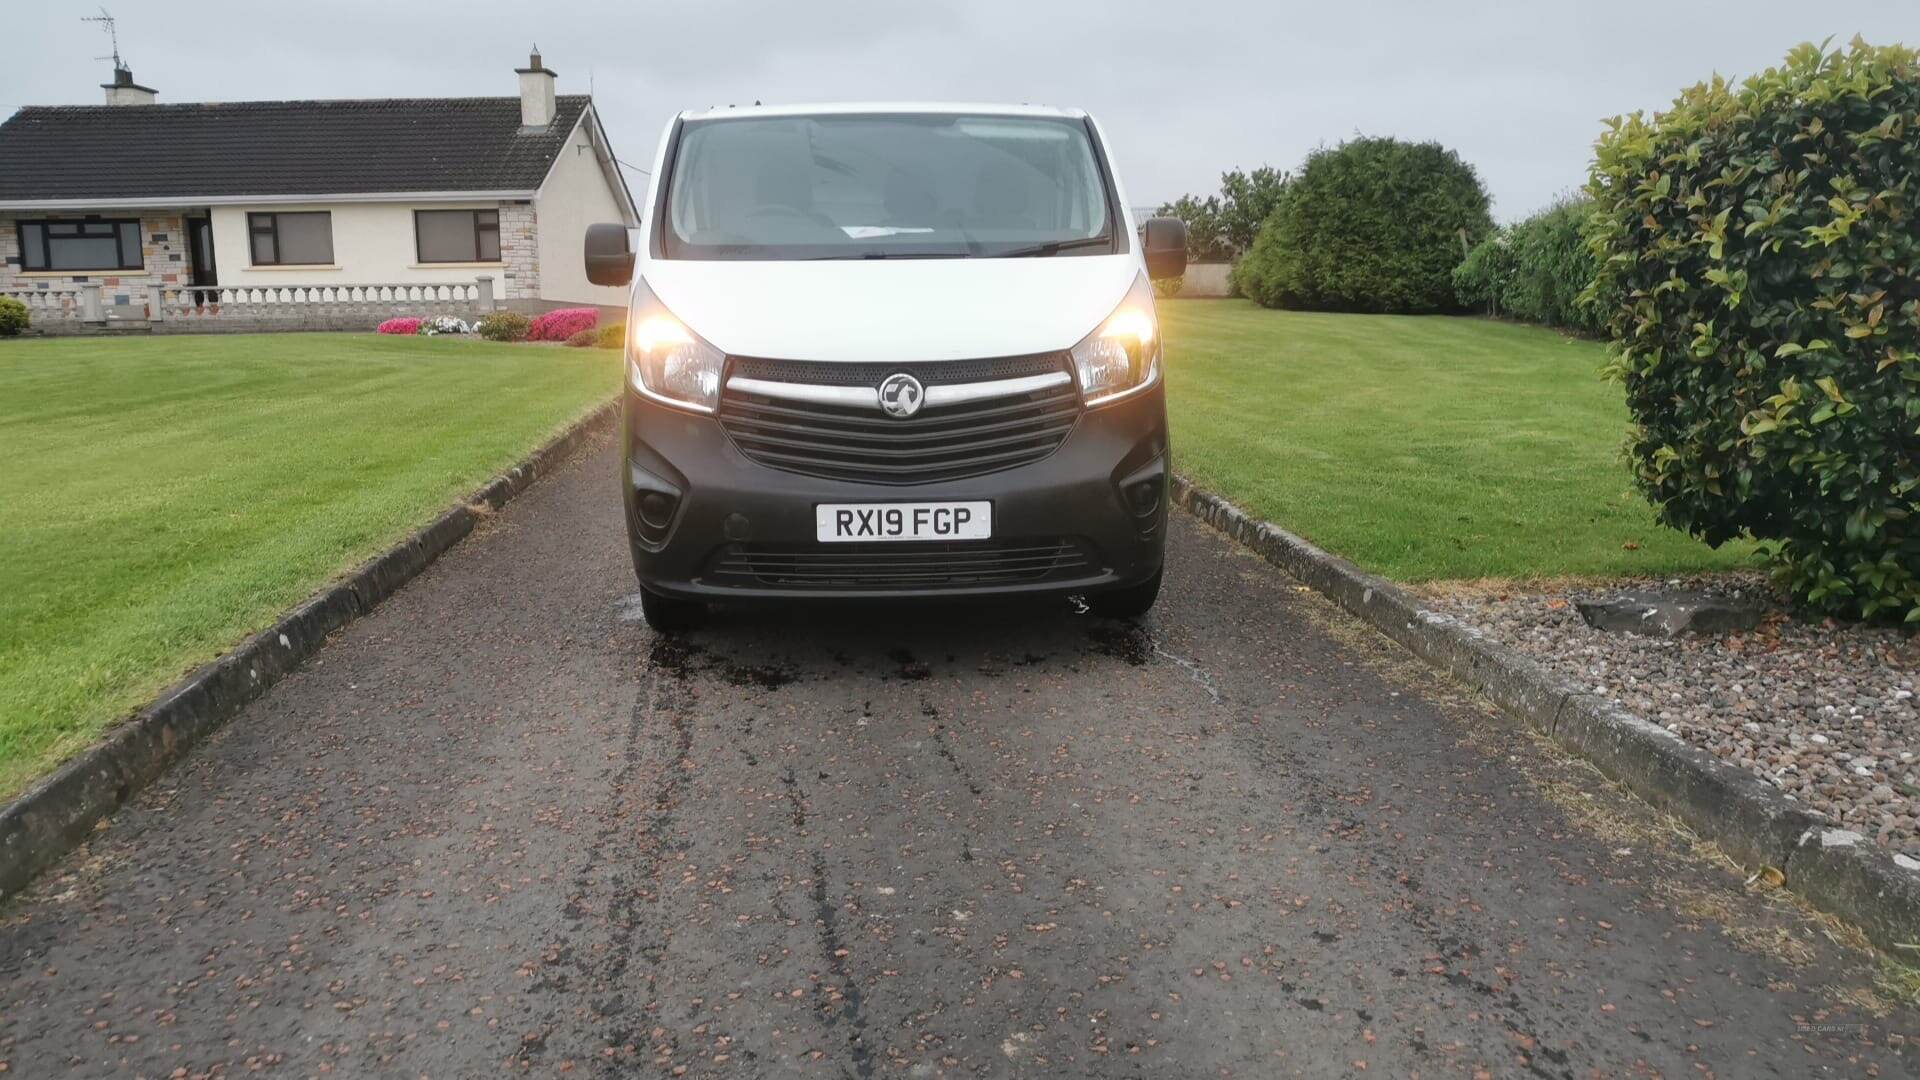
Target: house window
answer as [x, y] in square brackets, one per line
[92, 244]
[457, 235]
[301, 239]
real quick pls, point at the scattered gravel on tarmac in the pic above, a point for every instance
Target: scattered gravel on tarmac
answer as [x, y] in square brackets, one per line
[1824, 711]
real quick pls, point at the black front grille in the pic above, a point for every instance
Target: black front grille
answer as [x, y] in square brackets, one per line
[850, 442]
[899, 565]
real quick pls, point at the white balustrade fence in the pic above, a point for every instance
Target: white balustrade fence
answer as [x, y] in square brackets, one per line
[77, 308]
[59, 306]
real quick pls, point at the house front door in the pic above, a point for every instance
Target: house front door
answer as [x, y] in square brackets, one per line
[200, 252]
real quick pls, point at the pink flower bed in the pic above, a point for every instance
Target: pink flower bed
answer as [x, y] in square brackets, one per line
[562, 324]
[398, 326]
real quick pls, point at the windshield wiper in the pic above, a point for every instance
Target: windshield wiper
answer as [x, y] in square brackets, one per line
[1052, 246]
[894, 255]
[974, 250]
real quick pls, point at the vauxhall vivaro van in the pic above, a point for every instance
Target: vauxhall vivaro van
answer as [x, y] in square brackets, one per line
[891, 351]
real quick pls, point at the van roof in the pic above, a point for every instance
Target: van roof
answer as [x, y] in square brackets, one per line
[846, 108]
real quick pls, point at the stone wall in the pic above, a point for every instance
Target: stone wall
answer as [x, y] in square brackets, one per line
[1205, 280]
[123, 293]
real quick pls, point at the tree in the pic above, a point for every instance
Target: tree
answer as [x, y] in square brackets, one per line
[1246, 201]
[1202, 217]
[1374, 224]
[1223, 226]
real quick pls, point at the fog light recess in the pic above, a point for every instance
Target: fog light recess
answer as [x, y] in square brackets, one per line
[1143, 496]
[656, 509]
[654, 506]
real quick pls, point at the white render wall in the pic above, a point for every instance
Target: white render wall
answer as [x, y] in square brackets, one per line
[576, 194]
[373, 243]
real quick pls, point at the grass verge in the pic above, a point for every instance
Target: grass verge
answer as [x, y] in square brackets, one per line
[167, 496]
[1422, 448]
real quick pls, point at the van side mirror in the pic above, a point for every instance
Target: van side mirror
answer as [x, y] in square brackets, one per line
[609, 259]
[1165, 242]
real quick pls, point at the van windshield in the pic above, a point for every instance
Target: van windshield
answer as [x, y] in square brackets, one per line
[886, 186]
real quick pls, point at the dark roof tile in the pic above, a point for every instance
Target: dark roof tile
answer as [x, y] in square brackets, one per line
[277, 148]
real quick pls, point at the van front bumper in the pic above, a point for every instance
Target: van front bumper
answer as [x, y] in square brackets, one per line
[707, 523]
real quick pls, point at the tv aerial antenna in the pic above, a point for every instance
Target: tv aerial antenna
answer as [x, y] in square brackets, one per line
[105, 19]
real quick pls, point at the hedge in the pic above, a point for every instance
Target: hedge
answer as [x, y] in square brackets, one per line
[1374, 224]
[1762, 257]
[1535, 270]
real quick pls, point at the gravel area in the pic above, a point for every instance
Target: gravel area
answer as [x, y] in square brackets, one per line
[1824, 711]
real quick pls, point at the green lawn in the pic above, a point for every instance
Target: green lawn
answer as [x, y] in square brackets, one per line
[164, 497]
[1422, 448]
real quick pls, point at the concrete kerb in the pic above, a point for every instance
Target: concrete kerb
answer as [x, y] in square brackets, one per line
[60, 811]
[1749, 819]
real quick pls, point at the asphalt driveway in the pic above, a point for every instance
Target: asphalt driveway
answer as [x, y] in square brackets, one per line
[499, 824]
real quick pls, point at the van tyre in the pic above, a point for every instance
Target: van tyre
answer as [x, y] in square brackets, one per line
[667, 615]
[1130, 602]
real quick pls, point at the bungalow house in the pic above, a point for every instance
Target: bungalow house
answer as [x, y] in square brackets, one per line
[316, 214]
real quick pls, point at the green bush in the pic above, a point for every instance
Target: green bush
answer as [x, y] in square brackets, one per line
[1483, 278]
[1535, 270]
[504, 326]
[1241, 270]
[583, 339]
[1761, 252]
[612, 336]
[13, 316]
[1371, 225]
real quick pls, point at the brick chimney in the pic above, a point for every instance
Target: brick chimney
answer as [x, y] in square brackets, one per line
[536, 92]
[124, 91]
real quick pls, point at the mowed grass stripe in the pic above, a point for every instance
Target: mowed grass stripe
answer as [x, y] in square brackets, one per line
[166, 496]
[1422, 448]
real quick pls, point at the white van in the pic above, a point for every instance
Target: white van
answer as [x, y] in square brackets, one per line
[894, 351]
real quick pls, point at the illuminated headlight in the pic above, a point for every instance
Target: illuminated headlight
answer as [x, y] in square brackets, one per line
[1123, 354]
[668, 362]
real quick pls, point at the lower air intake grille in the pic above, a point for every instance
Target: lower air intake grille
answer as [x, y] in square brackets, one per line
[898, 565]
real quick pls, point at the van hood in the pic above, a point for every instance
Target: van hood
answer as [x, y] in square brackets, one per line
[893, 310]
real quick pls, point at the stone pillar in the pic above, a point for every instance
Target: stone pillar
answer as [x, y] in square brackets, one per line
[90, 310]
[156, 303]
[486, 303]
[519, 252]
[163, 246]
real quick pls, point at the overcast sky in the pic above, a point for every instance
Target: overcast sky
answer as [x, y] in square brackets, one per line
[1184, 90]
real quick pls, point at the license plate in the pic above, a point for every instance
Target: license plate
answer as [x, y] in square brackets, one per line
[845, 523]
